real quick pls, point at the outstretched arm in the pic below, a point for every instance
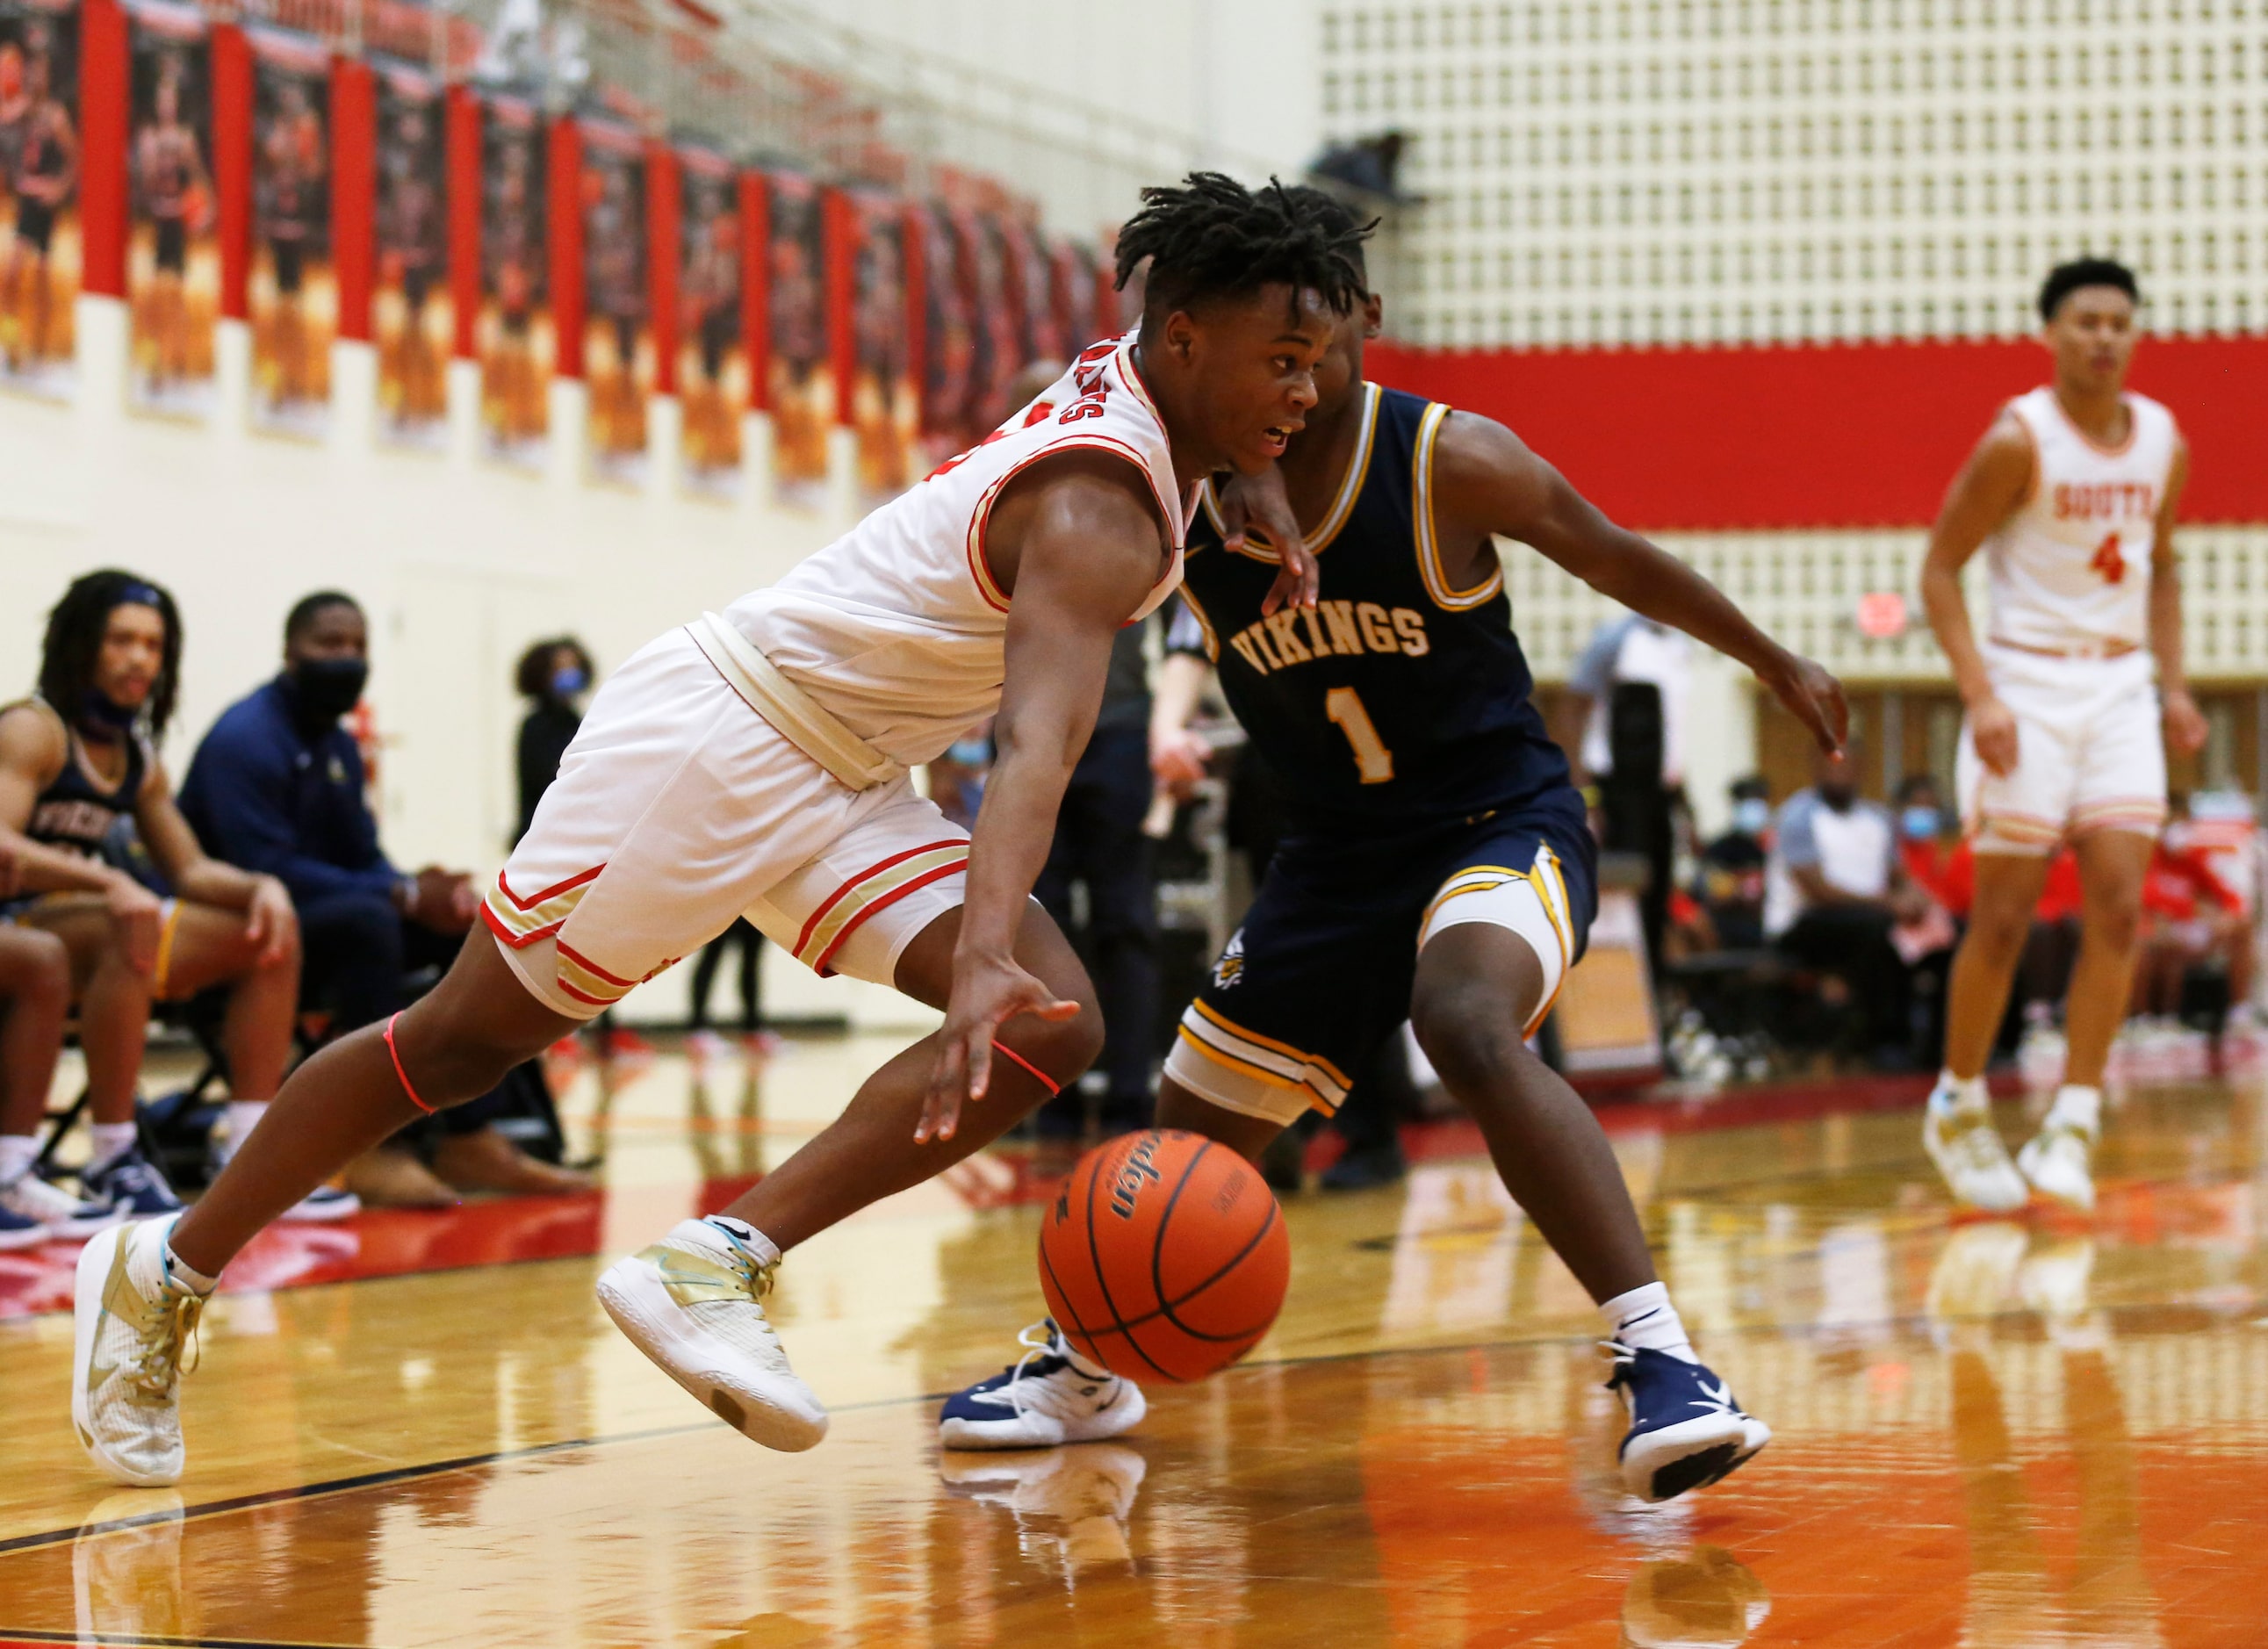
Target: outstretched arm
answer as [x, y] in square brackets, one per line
[1486, 481]
[2185, 727]
[1990, 487]
[1077, 543]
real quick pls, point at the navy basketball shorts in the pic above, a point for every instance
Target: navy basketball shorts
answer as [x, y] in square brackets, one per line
[1321, 970]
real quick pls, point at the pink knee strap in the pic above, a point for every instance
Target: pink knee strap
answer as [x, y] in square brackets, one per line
[1052, 1086]
[404, 1075]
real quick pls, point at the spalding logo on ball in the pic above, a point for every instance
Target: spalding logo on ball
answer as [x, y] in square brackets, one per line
[1164, 1256]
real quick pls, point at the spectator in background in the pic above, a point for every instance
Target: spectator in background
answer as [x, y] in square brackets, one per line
[1926, 847]
[1835, 893]
[553, 676]
[742, 936]
[1730, 883]
[1100, 845]
[277, 787]
[1632, 685]
[76, 760]
[35, 988]
[2189, 915]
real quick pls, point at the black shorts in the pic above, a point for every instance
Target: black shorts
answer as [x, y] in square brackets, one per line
[290, 265]
[35, 223]
[1321, 970]
[417, 283]
[173, 246]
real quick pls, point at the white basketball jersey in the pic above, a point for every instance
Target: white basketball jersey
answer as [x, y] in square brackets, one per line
[897, 627]
[2070, 568]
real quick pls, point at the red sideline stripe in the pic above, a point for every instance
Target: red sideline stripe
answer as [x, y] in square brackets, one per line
[1836, 435]
[889, 898]
[834, 898]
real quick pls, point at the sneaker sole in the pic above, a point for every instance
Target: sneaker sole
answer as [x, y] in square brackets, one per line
[1121, 1417]
[1664, 1464]
[87, 1281]
[644, 1311]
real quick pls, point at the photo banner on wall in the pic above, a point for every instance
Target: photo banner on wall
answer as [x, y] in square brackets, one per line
[172, 272]
[885, 411]
[40, 267]
[618, 361]
[293, 292]
[513, 340]
[1031, 275]
[801, 392]
[411, 316]
[1074, 277]
[712, 359]
[948, 364]
[1000, 330]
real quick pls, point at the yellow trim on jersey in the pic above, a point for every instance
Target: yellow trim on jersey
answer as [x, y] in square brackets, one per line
[1204, 623]
[1342, 503]
[1317, 1097]
[1421, 525]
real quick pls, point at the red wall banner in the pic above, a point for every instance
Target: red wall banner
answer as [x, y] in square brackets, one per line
[565, 221]
[354, 192]
[103, 124]
[1819, 436]
[463, 171]
[231, 139]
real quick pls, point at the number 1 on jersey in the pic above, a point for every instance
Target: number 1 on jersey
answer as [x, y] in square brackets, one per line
[1372, 759]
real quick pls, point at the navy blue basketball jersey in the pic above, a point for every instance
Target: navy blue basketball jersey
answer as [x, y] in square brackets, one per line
[1399, 699]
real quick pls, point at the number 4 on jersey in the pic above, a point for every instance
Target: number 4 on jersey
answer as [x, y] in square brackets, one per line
[2109, 561]
[1372, 759]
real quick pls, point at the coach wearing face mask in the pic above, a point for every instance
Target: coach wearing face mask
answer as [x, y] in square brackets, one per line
[277, 787]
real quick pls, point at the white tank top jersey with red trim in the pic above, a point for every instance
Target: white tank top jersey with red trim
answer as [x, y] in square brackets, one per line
[897, 627]
[2070, 569]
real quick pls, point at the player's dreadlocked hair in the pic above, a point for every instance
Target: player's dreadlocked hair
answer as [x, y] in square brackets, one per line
[74, 643]
[1211, 237]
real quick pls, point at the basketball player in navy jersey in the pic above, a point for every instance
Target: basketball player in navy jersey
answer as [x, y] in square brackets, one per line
[1438, 867]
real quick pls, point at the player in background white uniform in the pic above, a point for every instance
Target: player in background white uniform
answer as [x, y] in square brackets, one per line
[755, 763]
[2072, 495]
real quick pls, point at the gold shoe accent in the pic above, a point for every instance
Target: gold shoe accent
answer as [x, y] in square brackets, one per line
[691, 1279]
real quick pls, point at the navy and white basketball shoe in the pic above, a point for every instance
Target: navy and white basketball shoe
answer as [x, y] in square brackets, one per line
[1047, 1396]
[1686, 1430]
[131, 1184]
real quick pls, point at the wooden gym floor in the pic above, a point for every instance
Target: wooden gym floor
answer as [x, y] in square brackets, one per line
[420, 1429]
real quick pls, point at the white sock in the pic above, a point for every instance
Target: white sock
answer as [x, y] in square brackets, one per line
[1645, 1318]
[198, 1281]
[2078, 1107]
[112, 1141]
[719, 1232]
[18, 1153]
[1962, 1096]
[243, 1116]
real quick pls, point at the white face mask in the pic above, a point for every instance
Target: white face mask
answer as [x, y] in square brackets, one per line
[1751, 814]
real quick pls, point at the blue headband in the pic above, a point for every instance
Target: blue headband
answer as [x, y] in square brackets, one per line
[140, 594]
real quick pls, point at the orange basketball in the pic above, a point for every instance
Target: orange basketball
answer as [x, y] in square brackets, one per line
[1164, 1256]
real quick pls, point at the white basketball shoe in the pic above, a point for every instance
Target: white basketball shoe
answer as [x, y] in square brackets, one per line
[1969, 1152]
[694, 1303]
[133, 1324]
[1049, 1395]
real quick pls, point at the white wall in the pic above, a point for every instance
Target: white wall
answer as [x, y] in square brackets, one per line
[459, 563]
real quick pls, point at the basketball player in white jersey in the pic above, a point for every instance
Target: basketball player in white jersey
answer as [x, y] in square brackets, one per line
[756, 762]
[2072, 495]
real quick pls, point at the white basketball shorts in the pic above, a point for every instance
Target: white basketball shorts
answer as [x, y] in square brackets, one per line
[677, 808]
[2089, 755]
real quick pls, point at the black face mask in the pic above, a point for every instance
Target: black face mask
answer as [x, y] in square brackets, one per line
[1839, 796]
[103, 720]
[327, 688]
